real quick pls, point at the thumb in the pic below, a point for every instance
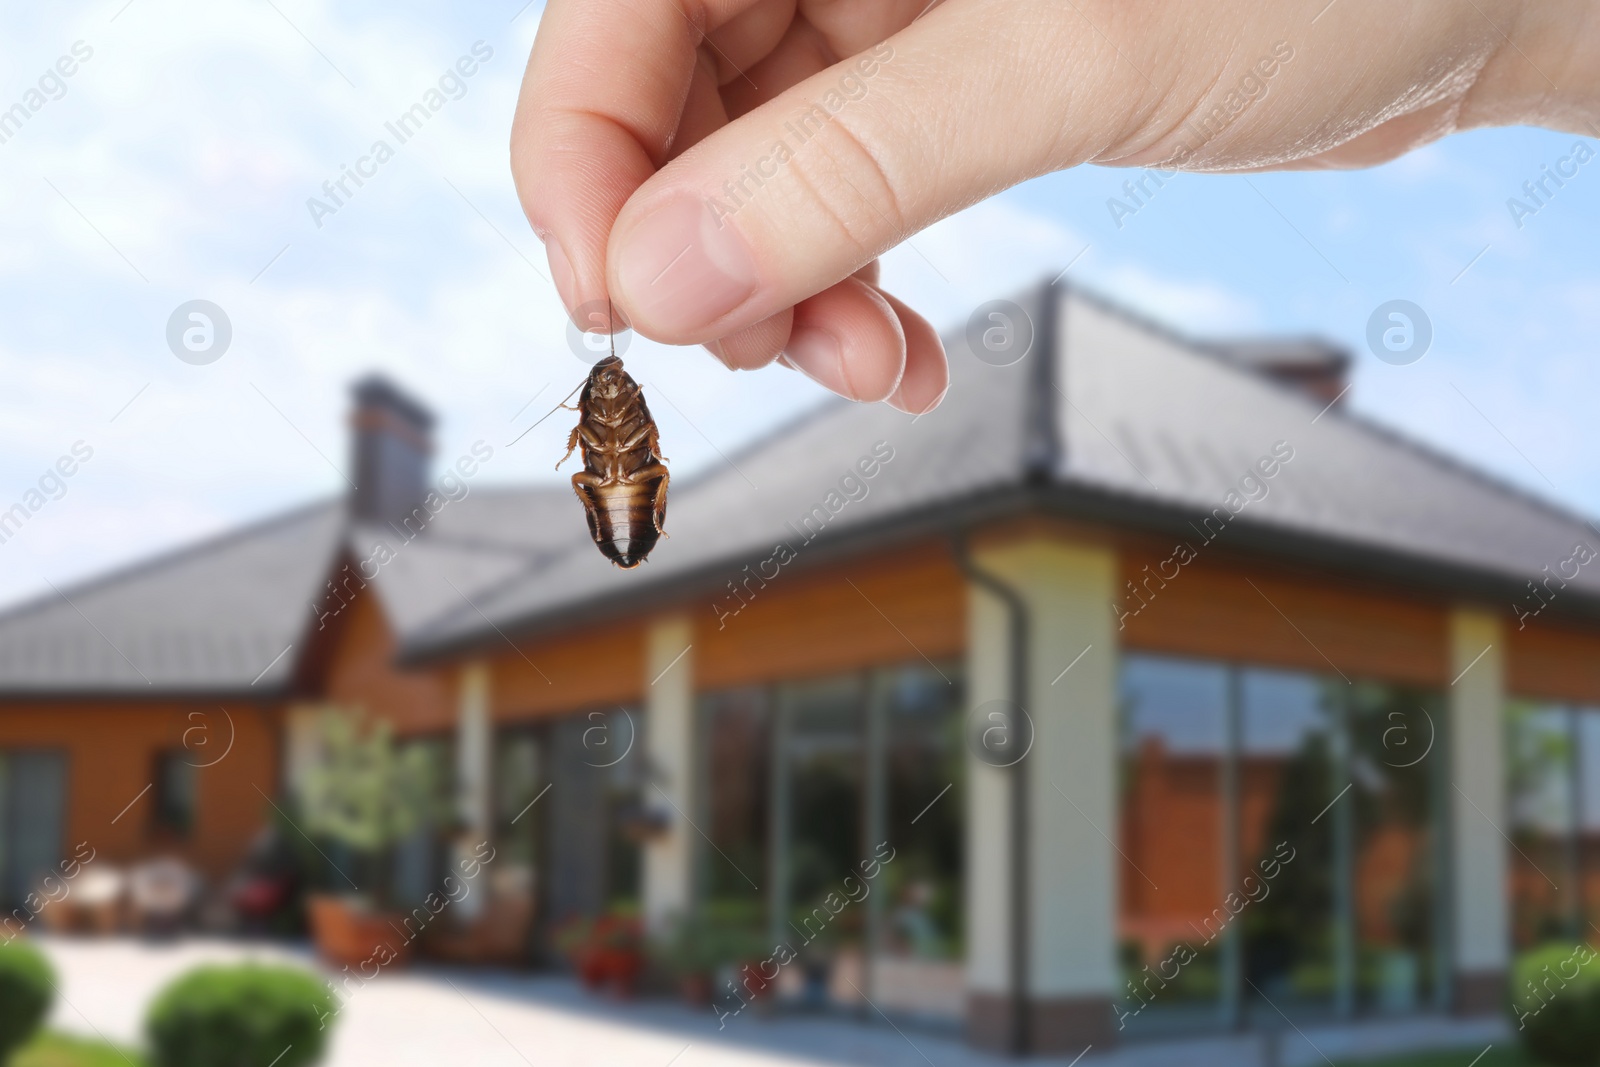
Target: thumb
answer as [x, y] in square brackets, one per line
[804, 190]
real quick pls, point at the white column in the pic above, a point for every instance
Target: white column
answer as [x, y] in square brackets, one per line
[988, 824]
[474, 745]
[1480, 908]
[1071, 793]
[474, 771]
[669, 734]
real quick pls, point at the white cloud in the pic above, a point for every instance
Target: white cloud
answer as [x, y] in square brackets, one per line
[1192, 306]
[992, 249]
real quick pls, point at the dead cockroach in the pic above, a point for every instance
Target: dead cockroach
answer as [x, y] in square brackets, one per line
[623, 484]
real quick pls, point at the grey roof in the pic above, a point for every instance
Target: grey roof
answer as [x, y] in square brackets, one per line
[1121, 420]
[1108, 417]
[236, 614]
[1152, 421]
[216, 616]
[486, 539]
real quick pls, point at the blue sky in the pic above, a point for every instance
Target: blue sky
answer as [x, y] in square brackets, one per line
[177, 164]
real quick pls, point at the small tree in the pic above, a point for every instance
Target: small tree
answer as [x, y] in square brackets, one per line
[369, 794]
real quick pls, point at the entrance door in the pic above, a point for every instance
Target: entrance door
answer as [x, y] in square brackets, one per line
[818, 807]
[562, 789]
[33, 804]
[869, 765]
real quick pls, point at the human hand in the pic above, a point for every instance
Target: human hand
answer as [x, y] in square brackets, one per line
[728, 171]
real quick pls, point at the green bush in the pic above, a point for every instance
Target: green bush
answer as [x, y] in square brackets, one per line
[246, 1015]
[26, 988]
[1555, 1002]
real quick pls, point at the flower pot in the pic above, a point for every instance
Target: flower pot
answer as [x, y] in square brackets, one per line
[695, 989]
[348, 933]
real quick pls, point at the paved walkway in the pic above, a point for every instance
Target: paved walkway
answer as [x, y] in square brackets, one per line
[431, 1016]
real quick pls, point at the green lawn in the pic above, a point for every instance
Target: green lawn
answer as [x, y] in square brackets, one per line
[1508, 1055]
[58, 1050]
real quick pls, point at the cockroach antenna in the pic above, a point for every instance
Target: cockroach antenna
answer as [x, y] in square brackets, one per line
[611, 326]
[547, 414]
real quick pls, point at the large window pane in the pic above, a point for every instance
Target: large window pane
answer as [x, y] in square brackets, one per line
[1174, 744]
[737, 744]
[926, 810]
[819, 819]
[918, 900]
[1588, 808]
[1393, 799]
[1286, 777]
[1539, 752]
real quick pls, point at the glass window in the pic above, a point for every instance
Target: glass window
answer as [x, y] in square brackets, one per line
[1588, 809]
[519, 781]
[822, 744]
[926, 812]
[737, 745]
[1540, 798]
[1174, 742]
[917, 909]
[1290, 743]
[1280, 841]
[803, 780]
[175, 792]
[33, 809]
[1395, 802]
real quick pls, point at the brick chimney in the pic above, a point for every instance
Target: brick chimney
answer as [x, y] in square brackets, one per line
[1316, 367]
[392, 443]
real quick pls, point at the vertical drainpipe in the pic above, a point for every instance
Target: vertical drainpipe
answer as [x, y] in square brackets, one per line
[1040, 455]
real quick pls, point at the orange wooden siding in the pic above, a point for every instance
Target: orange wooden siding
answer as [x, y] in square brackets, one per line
[896, 606]
[594, 667]
[111, 748]
[362, 673]
[1292, 618]
[1553, 662]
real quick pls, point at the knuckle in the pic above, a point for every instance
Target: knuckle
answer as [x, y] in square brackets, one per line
[848, 172]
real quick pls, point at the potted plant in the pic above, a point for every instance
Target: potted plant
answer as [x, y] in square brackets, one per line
[365, 796]
[698, 949]
[606, 952]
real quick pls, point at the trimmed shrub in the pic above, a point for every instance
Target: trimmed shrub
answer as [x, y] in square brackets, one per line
[26, 989]
[246, 1015]
[1555, 1001]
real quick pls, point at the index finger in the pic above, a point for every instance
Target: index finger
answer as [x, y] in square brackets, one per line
[603, 94]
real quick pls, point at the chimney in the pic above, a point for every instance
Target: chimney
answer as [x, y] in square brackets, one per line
[392, 443]
[1318, 368]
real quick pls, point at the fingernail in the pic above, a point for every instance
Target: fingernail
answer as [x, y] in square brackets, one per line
[898, 400]
[681, 268]
[818, 355]
[561, 274]
[715, 348]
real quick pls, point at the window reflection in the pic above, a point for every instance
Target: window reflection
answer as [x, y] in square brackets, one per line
[804, 780]
[1397, 859]
[1291, 822]
[1543, 757]
[1174, 744]
[1289, 747]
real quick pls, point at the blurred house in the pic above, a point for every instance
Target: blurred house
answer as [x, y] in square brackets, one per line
[1140, 687]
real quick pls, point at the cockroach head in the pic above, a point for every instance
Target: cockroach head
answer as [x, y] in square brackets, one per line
[607, 378]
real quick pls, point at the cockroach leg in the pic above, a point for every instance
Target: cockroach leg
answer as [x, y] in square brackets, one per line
[572, 445]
